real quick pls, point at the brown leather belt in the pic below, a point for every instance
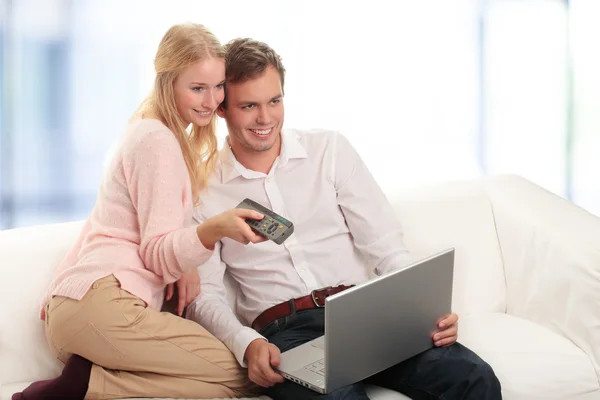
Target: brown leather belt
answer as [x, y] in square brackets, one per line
[316, 299]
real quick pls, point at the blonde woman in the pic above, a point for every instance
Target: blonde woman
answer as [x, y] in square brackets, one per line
[102, 310]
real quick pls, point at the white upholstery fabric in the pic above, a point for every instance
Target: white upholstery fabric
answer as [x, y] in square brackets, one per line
[457, 215]
[551, 255]
[7, 390]
[527, 285]
[530, 361]
[28, 257]
[374, 392]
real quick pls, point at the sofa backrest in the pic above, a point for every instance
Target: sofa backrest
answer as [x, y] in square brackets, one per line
[459, 215]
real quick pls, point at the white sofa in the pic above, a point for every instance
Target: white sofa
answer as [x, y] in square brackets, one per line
[527, 285]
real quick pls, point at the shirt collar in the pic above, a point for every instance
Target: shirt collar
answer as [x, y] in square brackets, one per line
[291, 148]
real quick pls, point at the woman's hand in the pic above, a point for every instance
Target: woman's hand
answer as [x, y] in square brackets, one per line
[231, 224]
[188, 288]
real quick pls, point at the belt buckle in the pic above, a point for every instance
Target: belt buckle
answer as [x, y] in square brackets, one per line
[315, 299]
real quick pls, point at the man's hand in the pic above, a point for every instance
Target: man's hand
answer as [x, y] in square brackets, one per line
[447, 333]
[188, 288]
[260, 356]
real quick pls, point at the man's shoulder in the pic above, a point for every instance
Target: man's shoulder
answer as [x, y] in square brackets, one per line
[314, 139]
[312, 134]
[216, 196]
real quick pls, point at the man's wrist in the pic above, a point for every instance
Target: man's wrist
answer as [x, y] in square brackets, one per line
[240, 343]
[250, 344]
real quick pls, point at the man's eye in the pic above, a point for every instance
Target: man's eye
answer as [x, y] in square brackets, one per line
[275, 101]
[248, 107]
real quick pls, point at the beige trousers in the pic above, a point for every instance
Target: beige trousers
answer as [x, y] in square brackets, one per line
[141, 352]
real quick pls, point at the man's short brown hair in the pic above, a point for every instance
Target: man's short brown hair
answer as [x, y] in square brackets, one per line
[247, 58]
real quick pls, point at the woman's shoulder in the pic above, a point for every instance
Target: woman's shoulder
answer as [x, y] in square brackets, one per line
[142, 127]
[148, 132]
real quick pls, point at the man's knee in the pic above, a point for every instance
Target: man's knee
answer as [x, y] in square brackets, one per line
[477, 375]
[485, 377]
[480, 382]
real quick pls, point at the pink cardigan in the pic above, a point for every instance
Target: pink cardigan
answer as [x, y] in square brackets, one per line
[140, 229]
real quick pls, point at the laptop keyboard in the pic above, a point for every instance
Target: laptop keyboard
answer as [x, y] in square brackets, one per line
[317, 367]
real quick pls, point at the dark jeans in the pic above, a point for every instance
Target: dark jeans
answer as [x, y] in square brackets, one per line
[447, 373]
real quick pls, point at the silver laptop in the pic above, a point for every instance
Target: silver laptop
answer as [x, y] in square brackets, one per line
[374, 326]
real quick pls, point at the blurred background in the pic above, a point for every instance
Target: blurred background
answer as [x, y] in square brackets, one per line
[427, 90]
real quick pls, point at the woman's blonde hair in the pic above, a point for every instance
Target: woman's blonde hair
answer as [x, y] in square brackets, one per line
[182, 46]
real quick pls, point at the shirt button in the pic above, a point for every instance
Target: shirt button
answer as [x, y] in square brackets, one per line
[269, 180]
[302, 270]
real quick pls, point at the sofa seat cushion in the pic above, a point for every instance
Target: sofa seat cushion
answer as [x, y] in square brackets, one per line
[531, 361]
[374, 392]
[7, 390]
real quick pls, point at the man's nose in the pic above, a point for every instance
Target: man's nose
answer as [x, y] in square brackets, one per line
[263, 116]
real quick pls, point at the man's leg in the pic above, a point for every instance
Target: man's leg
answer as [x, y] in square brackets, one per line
[444, 373]
[289, 332]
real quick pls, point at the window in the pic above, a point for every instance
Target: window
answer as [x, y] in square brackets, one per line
[447, 90]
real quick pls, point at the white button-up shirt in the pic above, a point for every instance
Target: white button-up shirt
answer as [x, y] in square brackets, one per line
[342, 223]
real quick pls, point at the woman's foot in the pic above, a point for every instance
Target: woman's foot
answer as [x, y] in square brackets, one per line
[72, 384]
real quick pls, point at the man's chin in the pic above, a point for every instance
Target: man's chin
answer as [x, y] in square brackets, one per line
[263, 149]
[260, 146]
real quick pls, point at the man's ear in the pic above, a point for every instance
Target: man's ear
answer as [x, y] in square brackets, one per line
[220, 111]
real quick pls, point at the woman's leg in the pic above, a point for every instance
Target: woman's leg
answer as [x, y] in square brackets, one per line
[139, 352]
[71, 384]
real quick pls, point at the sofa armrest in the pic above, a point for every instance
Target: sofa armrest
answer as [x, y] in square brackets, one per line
[29, 257]
[551, 255]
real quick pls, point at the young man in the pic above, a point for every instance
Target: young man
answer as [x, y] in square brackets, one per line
[343, 222]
